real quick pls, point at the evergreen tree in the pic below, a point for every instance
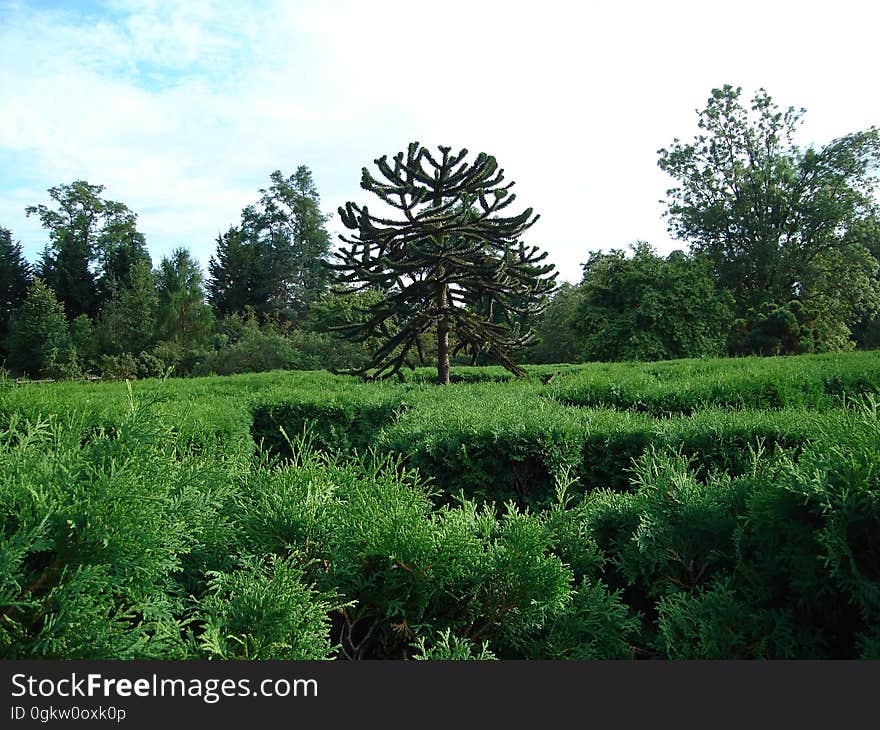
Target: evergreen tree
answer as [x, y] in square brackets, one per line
[451, 265]
[65, 267]
[38, 334]
[234, 275]
[273, 262]
[183, 316]
[85, 342]
[288, 226]
[128, 321]
[15, 277]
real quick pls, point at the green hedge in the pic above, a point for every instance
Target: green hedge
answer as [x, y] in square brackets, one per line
[342, 420]
[687, 386]
[120, 547]
[152, 527]
[780, 563]
[513, 446]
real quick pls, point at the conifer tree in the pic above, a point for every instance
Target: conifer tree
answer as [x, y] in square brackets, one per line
[38, 333]
[127, 322]
[451, 264]
[233, 274]
[274, 261]
[15, 277]
[183, 316]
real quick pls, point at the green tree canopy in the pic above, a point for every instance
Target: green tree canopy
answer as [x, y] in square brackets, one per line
[128, 321]
[778, 222]
[234, 275]
[645, 307]
[556, 340]
[273, 262]
[288, 225]
[448, 263]
[93, 245]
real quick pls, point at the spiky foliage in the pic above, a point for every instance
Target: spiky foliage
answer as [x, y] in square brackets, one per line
[452, 264]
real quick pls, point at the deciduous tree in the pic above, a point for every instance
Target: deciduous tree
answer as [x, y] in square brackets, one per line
[645, 307]
[93, 244]
[288, 225]
[274, 261]
[778, 222]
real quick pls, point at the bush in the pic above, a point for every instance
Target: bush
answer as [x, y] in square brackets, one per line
[447, 647]
[596, 624]
[340, 421]
[264, 610]
[95, 527]
[138, 520]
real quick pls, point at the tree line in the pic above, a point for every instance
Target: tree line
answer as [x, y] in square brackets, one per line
[782, 258]
[94, 303]
[783, 245]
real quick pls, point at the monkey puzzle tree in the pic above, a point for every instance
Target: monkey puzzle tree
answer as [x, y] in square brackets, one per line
[450, 265]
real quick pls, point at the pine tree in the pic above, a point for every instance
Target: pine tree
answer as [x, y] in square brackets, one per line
[38, 333]
[451, 265]
[183, 316]
[288, 226]
[127, 322]
[65, 267]
[234, 282]
[15, 277]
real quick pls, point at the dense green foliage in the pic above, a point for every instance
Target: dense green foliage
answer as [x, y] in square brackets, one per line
[273, 261]
[306, 515]
[645, 307]
[268, 303]
[770, 228]
[93, 245]
[683, 507]
[39, 339]
[15, 277]
[780, 223]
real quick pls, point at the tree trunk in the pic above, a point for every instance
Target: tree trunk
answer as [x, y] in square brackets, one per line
[443, 338]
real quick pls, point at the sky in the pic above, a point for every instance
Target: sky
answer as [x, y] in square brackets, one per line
[182, 109]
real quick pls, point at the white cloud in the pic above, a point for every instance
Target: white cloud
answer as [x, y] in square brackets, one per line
[183, 109]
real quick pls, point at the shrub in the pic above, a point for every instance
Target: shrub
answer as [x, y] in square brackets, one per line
[95, 530]
[447, 647]
[264, 610]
